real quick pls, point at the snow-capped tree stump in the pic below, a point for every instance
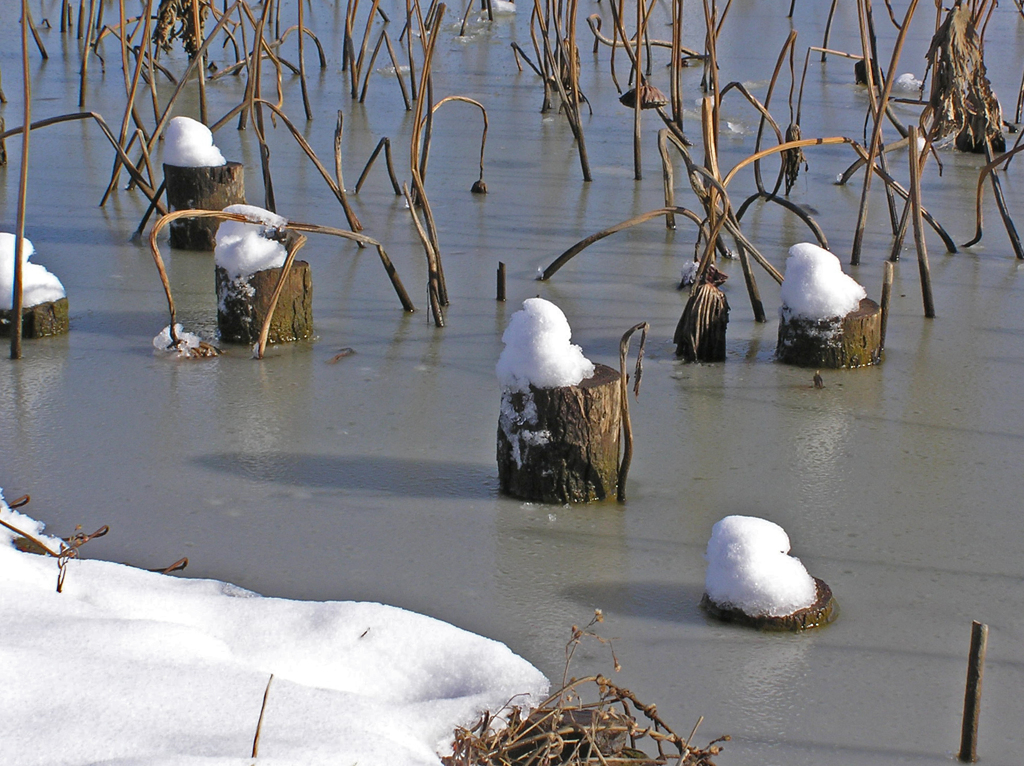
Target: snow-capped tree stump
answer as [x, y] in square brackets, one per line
[39, 321]
[823, 611]
[243, 303]
[561, 445]
[201, 188]
[854, 340]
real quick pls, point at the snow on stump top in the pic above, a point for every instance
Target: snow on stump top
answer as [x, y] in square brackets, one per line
[751, 579]
[198, 177]
[43, 300]
[826, 319]
[558, 430]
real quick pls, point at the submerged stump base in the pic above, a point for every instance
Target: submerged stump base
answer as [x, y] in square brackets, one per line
[205, 188]
[561, 445]
[823, 611]
[854, 340]
[39, 321]
[700, 333]
[243, 304]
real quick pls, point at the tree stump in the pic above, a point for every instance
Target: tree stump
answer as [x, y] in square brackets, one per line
[39, 321]
[854, 340]
[203, 188]
[243, 303]
[823, 611]
[700, 333]
[561, 445]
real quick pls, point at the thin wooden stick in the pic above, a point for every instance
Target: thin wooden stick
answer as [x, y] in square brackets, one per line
[886, 300]
[627, 424]
[972, 695]
[259, 723]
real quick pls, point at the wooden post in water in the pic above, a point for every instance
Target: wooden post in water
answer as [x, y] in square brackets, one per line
[203, 188]
[972, 695]
[561, 445]
[886, 299]
[854, 340]
[501, 281]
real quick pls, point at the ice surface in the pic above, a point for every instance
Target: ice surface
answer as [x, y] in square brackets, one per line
[749, 568]
[815, 286]
[538, 350]
[189, 144]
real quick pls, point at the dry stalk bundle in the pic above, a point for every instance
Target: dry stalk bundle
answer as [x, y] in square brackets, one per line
[962, 103]
[180, 19]
[565, 729]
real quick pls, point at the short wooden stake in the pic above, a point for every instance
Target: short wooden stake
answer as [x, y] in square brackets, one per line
[886, 298]
[501, 281]
[205, 188]
[972, 696]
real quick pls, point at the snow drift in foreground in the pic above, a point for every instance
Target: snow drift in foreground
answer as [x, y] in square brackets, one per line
[537, 350]
[749, 568]
[132, 668]
[189, 144]
[815, 286]
[37, 284]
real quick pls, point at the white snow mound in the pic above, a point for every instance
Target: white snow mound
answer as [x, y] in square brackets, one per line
[538, 350]
[815, 286]
[189, 144]
[749, 568]
[37, 284]
[134, 668]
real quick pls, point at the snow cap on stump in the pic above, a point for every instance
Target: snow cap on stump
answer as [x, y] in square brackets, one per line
[749, 569]
[37, 284]
[815, 286]
[245, 248]
[538, 350]
[189, 144]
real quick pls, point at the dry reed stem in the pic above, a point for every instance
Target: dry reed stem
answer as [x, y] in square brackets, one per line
[627, 424]
[294, 245]
[19, 226]
[385, 144]
[922, 247]
[432, 273]
[263, 710]
[877, 109]
[483, 112]
[586, 242]
[989, 169]
[594, 21]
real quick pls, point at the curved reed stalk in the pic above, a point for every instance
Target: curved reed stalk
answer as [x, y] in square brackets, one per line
[627, 423]
[586, 242]
[483, 112]
[997, 190]
[594, 22]
[385, 144]
[19, 225]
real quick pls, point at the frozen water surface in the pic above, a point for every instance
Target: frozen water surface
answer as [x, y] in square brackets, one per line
[374, 477]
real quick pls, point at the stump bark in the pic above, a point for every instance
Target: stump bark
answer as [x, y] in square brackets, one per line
[243, 303]
[854, 340]
[823, 611]
[205, 188]
[561, 445]
[39, 321]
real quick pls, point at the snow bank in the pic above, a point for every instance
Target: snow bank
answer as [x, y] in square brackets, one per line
[37, 284]
[537, 350]
[815, 286]
[189, 144]
[243, 249]
[140, 669]
[749, 568]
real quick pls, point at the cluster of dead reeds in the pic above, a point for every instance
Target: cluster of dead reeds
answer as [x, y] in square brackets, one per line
[611, 727]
